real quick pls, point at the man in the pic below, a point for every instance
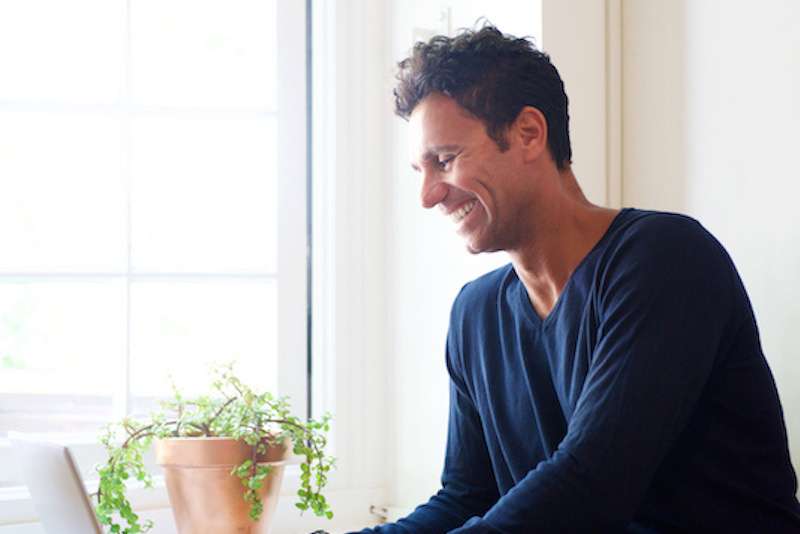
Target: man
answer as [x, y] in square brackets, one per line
[611, 377]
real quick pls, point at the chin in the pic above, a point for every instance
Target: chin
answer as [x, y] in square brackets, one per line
[481, 239]
[480, 247]
[476, 247]
[473, 250]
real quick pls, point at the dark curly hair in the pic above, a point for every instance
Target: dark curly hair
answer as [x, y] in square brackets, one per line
[491, 75]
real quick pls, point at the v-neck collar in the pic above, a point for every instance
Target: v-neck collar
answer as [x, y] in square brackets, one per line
[525, 303]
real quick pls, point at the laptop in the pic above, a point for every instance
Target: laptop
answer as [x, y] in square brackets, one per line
[55, 485]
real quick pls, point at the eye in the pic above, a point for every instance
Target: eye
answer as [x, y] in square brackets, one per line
[443, 162]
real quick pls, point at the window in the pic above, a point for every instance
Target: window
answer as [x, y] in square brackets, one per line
[152, 204]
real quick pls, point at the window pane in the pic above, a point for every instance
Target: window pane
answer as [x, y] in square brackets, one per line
[204, 195]
[65, 51]
[59, 339]
[62, 195]
[179, 328]
[74, 413]
[190, 53]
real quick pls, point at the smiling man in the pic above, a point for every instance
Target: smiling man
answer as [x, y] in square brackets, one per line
[610, 378]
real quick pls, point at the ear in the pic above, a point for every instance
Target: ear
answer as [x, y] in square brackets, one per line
[530, 130]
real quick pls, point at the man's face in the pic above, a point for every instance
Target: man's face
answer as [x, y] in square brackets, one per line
[465, 174]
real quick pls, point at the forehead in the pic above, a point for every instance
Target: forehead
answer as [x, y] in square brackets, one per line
[439, 121]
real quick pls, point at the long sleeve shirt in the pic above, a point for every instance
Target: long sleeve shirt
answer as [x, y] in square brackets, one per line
[641, 403]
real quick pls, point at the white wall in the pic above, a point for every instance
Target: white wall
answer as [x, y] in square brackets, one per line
[574, 33]
[711, 122]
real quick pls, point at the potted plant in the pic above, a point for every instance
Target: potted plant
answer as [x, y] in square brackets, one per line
[223, 456]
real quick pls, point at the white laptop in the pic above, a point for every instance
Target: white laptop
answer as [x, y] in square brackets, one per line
[54, 482]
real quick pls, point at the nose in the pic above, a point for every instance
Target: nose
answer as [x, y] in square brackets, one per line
[433, 191]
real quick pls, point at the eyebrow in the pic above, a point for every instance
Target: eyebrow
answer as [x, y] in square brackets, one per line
[434, 151]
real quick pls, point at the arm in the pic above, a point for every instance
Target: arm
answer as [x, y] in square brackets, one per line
[664, 306]
[468, 485]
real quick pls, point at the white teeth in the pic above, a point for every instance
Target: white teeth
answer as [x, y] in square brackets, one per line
[462, 212]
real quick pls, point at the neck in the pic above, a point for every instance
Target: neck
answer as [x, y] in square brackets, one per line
[564, 230]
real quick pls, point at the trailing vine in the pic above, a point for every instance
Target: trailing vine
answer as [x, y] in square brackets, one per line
[235, 411]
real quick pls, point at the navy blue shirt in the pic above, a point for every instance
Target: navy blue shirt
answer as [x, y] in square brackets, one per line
[641, 403]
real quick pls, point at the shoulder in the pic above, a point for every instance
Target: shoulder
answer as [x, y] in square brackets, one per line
[665, 238]
[474, 317]
[482, 292]
[651, 250]
[649, 225]
[480, 303]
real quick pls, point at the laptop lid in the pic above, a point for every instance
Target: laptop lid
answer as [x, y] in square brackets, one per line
[55, 485]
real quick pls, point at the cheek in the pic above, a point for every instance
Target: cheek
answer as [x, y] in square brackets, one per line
[487, 184]
[463, 180]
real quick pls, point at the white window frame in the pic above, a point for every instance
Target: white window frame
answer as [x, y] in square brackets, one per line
[16, 508]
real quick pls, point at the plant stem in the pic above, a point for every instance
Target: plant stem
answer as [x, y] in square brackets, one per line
[217, 414]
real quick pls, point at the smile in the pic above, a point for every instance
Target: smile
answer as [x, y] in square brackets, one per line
[463, 211]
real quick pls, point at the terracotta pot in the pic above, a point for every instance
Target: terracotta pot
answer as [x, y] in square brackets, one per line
[205, 497]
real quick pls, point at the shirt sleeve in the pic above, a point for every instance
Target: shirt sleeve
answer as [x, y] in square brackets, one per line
[468, 484]
[664, 304]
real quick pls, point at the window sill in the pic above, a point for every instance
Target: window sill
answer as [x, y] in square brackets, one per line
[16, 506]
[18, 516]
